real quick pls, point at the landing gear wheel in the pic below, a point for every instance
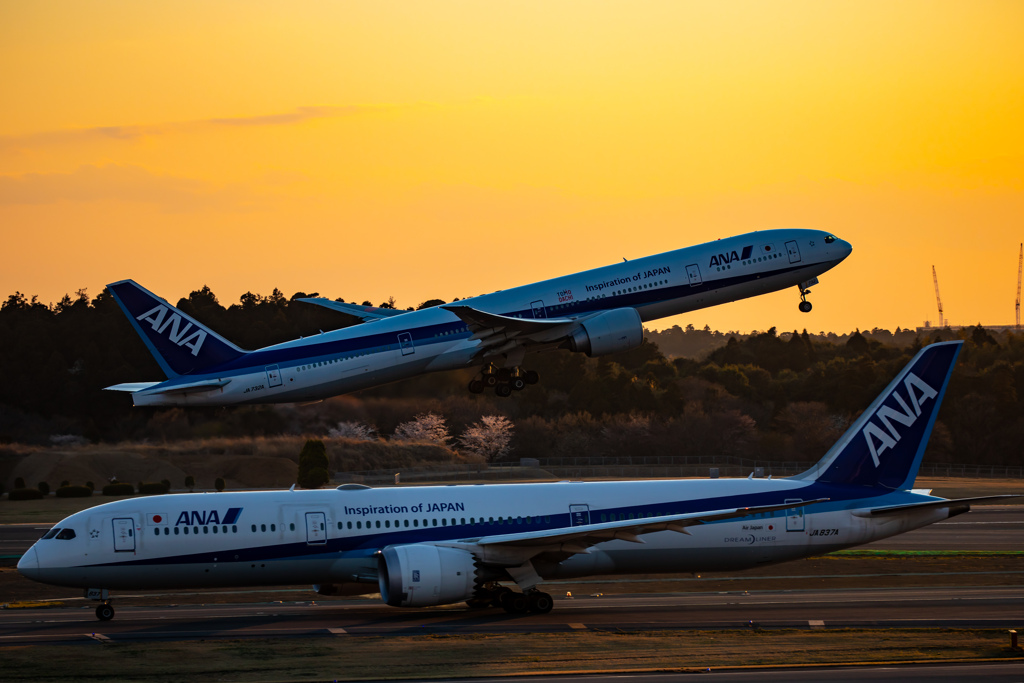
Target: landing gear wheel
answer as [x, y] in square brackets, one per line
[105, 612]
[490, 379]
[805, 306]
[499, 595]
[476, 386]
[518, 383]
[503, 390]
[540, 603]
[515, 603]
[532, 377]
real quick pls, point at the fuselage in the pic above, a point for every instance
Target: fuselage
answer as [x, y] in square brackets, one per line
[333, 536]
[435, 339]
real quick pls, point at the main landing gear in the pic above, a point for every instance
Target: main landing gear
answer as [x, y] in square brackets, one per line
[105, 612]
[503, 380]
[513, 602]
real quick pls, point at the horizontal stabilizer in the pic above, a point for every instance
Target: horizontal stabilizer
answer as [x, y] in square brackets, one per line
[933, 504]
[187, 388]
[131, 387]
[364, 313]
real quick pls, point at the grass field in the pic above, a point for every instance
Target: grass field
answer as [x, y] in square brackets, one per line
[433, 656]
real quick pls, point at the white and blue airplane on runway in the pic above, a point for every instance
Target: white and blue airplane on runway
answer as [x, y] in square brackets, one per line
[423, 546]
[596, 312]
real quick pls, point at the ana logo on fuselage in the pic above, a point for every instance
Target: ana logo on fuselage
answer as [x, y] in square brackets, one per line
[179, 335]
[730, 256]
[879, 439]
[203, 517]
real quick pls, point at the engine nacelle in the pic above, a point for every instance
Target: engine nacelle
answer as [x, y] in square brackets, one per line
[616, 330]
[423, 575]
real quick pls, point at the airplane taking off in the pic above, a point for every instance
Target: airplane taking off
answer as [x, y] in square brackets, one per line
[595, 312]
[436, 545]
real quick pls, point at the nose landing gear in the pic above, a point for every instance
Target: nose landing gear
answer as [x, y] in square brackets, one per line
[805, 289]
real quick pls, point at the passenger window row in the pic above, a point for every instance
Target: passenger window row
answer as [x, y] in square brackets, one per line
[398, 523]
[184, 530]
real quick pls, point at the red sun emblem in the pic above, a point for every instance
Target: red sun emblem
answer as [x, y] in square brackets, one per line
[770, 527]
[157, 518]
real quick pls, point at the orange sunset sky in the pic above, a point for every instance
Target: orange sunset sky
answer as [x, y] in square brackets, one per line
[444, 149]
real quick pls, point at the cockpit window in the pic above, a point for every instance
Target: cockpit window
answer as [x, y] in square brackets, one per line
[50, 534]
[830, 239]
[66, 534]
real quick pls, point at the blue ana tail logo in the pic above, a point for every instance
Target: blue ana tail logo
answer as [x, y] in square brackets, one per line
[879, 440]
[172, 325]
[180, 344]
[884, 446]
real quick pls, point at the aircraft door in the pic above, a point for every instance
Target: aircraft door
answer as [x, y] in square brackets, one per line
[316, 528]
[273, 376]
[124, 534]
[579, 515]
[794, 251]
[794, 516]
[538, 309]
[405, 342]
[693, 272]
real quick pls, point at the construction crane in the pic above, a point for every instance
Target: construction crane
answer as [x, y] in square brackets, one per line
[1020, 265]
[938, 299]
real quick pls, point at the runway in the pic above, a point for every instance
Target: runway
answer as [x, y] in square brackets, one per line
[1010, 672]
[964, 607]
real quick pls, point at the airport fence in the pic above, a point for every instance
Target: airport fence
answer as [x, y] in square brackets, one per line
[643, 467]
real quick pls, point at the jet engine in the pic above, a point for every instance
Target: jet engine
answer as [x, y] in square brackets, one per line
[422, 575]
[616, 330]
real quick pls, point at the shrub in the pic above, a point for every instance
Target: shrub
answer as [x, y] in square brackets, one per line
[352, 430]
[73, 492]
[19, 483]
[425, 428]
[25, 494]
[92, 486]
[118, 489]
[490, 438]
[190, 482]
[167, 484]
[64, 483]
[151, 488]
[313, 465]
[44, 488]
[219, 484]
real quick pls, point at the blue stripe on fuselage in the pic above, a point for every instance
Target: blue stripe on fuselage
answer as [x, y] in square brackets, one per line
[364, 545]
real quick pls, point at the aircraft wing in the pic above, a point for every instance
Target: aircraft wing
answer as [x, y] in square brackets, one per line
[930, 504]
[577, 539]
[188, 388]
[364, 313]
[501, 333]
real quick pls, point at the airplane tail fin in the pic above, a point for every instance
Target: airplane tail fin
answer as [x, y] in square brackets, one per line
[180, 344]
[885, 445]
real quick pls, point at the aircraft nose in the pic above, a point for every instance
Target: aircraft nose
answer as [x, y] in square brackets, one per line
[28, 565]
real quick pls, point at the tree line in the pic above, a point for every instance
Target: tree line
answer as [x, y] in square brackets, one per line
[783, 397]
